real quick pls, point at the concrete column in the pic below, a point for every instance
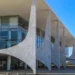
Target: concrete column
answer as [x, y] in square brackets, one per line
[44, 52]
[9, 39]
[37, 64]
[48, 39]
[25, 66]
[56, 49]
[62, 51]
[57, 37]
[48, 28]
[9, 57]
[73, 46]
[73, 52]
[9, 63]
[32, 30]
[57, 44]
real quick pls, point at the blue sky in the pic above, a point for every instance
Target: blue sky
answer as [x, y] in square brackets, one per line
[65, 10]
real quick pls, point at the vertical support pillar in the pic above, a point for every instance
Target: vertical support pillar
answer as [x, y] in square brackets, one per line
[25, 66]
[9, 63]
[62, 52]
[57, 37]
[37, 64]
[57, 45]
[66, 52]
[44, 52]
[9, 39]
[74, 47]
[73, 52]
[9, 57]
[32, 30]
[47, 40]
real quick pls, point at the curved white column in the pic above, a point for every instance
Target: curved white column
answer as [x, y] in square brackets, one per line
[62, 50]
[44, 52]
[73, 52]
[26, 50]
[72, 57]
[56, 49]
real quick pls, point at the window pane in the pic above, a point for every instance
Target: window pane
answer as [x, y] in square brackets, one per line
[4, 33]
[3, 44]
[5, 21]
[14, 35]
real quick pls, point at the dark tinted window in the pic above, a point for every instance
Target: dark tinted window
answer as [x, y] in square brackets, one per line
[5, 21]
[4, 35]
[14, 35]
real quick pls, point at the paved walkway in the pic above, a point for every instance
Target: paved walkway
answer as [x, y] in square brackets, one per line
[43, 71]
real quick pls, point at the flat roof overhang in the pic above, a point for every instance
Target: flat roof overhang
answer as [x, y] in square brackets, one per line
[22, 8]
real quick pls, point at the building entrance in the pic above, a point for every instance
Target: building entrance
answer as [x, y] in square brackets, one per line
[16, 64]
[3, 62]
[7, 64]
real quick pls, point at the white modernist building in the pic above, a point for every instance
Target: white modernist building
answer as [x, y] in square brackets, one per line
[31, 34]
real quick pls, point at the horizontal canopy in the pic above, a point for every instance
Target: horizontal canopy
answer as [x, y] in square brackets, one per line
[22, 8]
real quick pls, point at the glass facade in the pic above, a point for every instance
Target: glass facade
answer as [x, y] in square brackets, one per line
[4, 35]
[12, 36]
[9, 38]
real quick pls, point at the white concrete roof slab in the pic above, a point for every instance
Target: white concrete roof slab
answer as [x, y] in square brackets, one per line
[22, 8]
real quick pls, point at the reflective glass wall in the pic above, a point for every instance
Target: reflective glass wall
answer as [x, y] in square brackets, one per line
[11, 34]
[10, 37]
